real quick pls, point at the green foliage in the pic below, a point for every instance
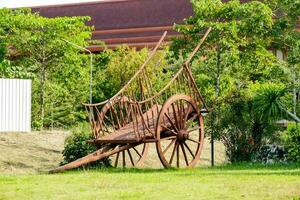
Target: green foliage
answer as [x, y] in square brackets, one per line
[2, 51]
[293, 142]
[245, 85]
[237, 135]
[116, 67]
[76, 146]
[285, 36]
[9, 71]
[268, 103]
[35, 47]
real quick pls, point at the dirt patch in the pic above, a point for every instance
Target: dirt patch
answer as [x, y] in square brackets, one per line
[22, 153]
[153, 161]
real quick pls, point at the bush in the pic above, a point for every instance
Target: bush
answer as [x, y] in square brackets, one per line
[270, 153]
[293, 142]
[239, 147]
[76, 147]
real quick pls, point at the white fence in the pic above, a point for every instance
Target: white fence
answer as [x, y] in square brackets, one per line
[15, 105]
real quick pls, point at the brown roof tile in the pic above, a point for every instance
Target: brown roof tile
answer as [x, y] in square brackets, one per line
[136, 21]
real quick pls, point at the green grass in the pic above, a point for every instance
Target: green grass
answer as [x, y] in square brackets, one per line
[243, 181]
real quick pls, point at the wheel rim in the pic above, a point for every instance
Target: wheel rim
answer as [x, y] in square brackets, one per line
[180, 136]
[133, 157]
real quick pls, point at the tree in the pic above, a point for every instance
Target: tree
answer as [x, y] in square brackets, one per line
[36, 43]
[234, 56]
[287, 39]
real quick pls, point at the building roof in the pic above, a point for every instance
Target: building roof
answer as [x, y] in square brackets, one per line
[137, 23]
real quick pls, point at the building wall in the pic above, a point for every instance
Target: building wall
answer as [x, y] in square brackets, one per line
[15, 105]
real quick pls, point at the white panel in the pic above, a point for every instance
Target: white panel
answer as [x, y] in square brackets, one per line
[15, 105]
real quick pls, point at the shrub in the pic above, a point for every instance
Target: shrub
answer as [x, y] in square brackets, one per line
[270, 153]
[76, 147]
[293, 142]
[239, 147]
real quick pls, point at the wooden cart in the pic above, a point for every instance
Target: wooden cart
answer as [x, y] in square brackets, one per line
[139, 114]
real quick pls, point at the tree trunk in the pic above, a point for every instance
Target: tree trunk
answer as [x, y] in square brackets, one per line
[257, 134]
[42, 95]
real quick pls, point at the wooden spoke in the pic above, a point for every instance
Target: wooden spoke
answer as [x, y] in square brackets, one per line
[187, 114]
[123, 155]
[193, 129]
[137, 152]
[189, 149]
[168, 138]
[169, 129]
[182, 114]
[184, 154]
[171, 122]
[193, 141]
[179, 115]
[130, 157]
[175, 117]
[168, 147]
[177, 163]
[173, 152]
[117, 159]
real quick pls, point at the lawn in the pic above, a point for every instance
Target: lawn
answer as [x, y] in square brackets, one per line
[224, 182]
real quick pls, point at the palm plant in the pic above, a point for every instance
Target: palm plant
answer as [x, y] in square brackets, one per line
[268, 102]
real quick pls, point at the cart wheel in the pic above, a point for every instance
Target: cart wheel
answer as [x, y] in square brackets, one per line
[179, 132]
[133, 157]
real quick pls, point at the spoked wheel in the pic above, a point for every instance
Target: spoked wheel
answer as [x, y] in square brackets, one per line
[179, 132]
[133, 157]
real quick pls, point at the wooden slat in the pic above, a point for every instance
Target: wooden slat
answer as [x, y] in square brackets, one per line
[126, 133]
